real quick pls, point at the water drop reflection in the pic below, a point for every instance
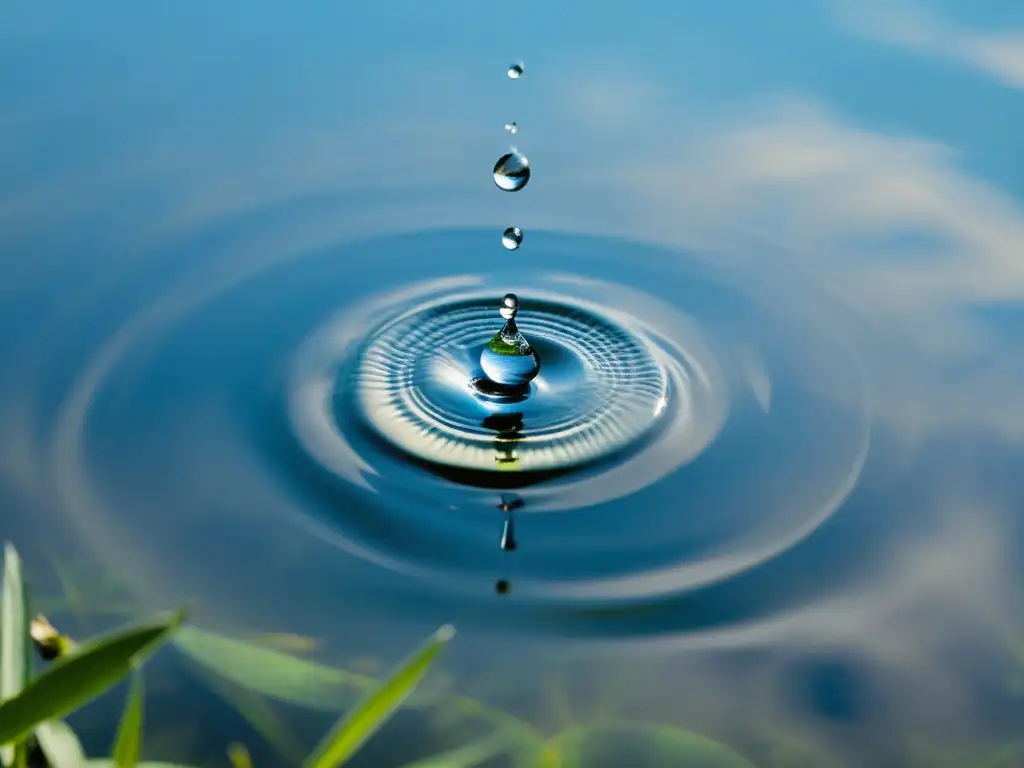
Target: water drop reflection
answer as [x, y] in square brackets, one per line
[509, 427]
[511, 171]
[512, 238]
[510, 502]
[508, 359]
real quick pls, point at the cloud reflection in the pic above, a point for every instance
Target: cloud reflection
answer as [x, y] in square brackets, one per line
[998, 53]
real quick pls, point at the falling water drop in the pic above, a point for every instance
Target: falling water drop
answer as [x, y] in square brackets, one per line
[502, 587]
[508, 535]
[512, 127]
[512, 238]
[508, 359]
[515, 71]
[512, 171]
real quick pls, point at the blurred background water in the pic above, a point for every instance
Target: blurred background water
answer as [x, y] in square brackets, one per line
[816, 202]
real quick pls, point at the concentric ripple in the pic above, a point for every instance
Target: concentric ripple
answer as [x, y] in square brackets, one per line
[601, 388]
[683, 433]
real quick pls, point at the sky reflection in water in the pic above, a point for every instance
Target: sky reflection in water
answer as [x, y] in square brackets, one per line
[186, 193]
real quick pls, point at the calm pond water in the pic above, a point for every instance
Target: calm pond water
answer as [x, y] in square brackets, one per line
[765, 491]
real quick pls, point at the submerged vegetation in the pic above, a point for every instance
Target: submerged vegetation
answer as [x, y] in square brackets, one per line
[45, 677]
[31, 706]
[251, 673]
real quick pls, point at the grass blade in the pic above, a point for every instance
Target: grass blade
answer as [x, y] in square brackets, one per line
[278, 675]
[469, 756]
[239, 756]
[107, 763]
[353, 730]
[15, 645]
[81, 676]
[260, 714]
[59, 745]
[128, 744]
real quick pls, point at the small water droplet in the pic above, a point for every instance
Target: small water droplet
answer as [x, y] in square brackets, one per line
[502, 587]
[512, 171]
[512, 238]
[512, 127]
[515, 70]
[510, 501]
[508, 536]
[509, 306]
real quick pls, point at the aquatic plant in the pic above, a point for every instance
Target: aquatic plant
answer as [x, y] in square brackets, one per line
[31, 706]
[255, 670]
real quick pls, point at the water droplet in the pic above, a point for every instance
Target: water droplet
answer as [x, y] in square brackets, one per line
[508, 359]
[509, 502]
[512, 127]
[509, 306]
[512, 238]
[502, 587]
[508, 535]
[512, 171]
[515, 71]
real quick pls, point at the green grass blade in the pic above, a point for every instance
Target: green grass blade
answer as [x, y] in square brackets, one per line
[21, 754]
[128, 744]
[59, 745]
[15, 645]
[278, 675]
[239, 756]
[260, 714]
[353, 730]
[469, 756]
[81, 676]
[107, 763]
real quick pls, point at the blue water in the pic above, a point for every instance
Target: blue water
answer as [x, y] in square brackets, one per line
[806, 213]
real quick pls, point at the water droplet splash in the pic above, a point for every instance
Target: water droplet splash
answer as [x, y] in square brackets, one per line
[508, 359]
[423, 387]
[512, 238]
[512, 171]
[515, 70]
[648, 468]
[512, 128]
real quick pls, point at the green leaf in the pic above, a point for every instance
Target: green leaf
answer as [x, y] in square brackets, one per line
[272, 673]
[15, 645]
[468, 756]
[353, 730]
[647, 744]
[59, 745]
[260, 714]
[101, 763]
[128, 744]
[239, 756]
[82, 675]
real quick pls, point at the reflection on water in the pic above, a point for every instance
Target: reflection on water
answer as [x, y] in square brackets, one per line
[765, 487]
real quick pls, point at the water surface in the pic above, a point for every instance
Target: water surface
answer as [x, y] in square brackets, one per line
[812, 553]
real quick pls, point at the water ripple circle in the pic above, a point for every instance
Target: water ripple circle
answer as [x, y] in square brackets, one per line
[600, 387]
[684, 432]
